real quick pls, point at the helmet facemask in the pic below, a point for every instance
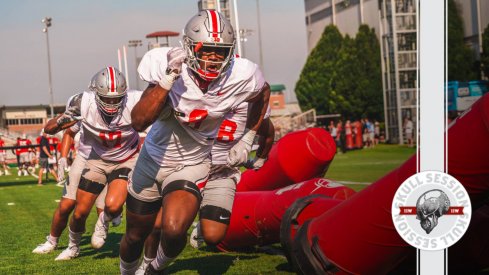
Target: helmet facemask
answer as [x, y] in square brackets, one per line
[205, 68]
[109, 106]
[209, 32]
[110, 88]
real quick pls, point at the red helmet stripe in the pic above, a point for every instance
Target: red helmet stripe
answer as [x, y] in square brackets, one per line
[214, 20]
[112, 80]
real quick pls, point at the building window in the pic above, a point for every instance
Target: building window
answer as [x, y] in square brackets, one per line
[407, 79]
[406, 22]
[407, 60]
[406, 41]
[405, 6]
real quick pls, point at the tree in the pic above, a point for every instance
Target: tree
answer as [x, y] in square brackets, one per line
[343, 75]
[370, 91]
[485, 53]
[314, 87]
[461, 60]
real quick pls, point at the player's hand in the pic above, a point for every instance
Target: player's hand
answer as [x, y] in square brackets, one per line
[62, 165]
[239, 152]
[176, 57]
[255, 163]
[73, 111]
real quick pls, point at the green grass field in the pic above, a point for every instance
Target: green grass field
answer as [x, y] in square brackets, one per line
[26, 211]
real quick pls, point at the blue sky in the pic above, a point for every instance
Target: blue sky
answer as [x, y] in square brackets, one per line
[85, 37]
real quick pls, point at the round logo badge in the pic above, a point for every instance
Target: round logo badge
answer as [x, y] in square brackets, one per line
[431, 210]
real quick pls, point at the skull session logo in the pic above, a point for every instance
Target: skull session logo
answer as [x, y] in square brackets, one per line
[431, 210]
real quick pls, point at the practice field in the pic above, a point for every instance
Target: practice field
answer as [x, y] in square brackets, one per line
[26, 211]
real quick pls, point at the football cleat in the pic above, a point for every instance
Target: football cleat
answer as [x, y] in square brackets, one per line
[99, 234]
[117, 220]
[141, 268]
[196, 238]
[25, 173]
[19, 173]
[68, 254]
[151, 271]
[45, 248]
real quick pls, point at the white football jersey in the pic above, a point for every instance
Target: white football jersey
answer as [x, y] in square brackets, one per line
[81, 147]
[199, 114]
[116, 141]
[230, 132]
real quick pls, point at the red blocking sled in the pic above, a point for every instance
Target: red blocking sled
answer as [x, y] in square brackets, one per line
[341, 239]
[257, 215]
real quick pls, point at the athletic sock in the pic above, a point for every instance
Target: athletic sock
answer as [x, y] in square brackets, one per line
[75, 238]
[128, 268]
[53, 240]
[161, 260]
[105, 217]
[147, 260]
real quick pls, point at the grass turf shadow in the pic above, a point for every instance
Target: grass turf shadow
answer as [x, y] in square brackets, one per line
[213, 264]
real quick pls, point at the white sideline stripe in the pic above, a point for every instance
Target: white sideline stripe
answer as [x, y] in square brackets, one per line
[56, 200]
[352, 182]
[11, 203]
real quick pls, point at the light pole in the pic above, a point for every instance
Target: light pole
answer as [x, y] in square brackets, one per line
[135, 44]
[243, 36]
[47, 22]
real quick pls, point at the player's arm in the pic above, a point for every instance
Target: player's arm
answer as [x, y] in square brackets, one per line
[67, 119]
[149, 107]
[266, 138]
[258, 109]
[66, 141]
[46, 150]
[256, 113]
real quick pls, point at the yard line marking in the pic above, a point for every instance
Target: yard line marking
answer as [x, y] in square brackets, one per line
[56, 200]
[11, 203]
[352, 182]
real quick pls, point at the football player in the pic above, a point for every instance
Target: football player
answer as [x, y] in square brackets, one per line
[105, 115]
[3, 158]
[199, 83]
[24, 159]
[68, 199]
[218, 193]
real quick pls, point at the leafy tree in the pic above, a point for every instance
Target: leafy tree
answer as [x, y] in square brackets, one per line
[461, 60]
[314, 87]
[369, 90]
[343, 75]
[485, 53]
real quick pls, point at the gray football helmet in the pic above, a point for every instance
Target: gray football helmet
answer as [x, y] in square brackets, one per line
[209, 30]
[110, 87]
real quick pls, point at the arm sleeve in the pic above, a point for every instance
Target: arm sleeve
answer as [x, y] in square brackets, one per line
[74, 105]
[253, 85]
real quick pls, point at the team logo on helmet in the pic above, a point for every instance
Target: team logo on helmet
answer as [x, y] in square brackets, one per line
[431, 210]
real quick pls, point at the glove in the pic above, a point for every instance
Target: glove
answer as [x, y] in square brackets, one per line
[176, 57]
[62, 165]
[240, 151]
[255, 163]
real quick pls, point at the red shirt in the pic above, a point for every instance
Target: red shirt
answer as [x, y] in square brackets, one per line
[23, 142]
[52, 140]
[2, 143]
